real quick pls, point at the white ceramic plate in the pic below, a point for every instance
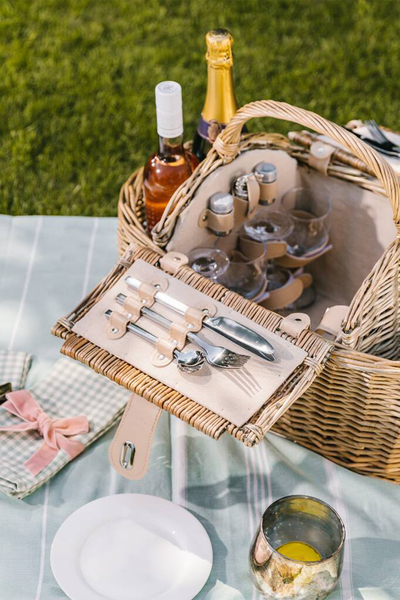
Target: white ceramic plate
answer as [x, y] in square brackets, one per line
[131, 547]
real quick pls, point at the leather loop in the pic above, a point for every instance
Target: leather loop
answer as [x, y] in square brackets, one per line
[253, 192]
[253, 249]
[132, 307]
[320, 156]
[293, 262]
[194, 318]
[172, 262]
[295, 324]
[146, 293]
[164, 353]
[284, 295]
[178, 332]
[217, 223]
[268, 193]
[208, 308]
[137, 427]
[116, 326]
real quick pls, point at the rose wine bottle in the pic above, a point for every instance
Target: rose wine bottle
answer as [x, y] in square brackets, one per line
[171, 165]
[220, 104]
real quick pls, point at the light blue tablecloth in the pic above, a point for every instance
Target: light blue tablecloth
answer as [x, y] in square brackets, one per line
[47, 264]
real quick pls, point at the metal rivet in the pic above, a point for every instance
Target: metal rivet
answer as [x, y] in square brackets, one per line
[144, 301]
[206, 311]
[190, 326]
[174, 341]
[161, 356]
[114, 330]
[157, 286]
[129, 315]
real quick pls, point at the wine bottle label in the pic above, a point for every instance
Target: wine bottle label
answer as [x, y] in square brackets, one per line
[209, 130]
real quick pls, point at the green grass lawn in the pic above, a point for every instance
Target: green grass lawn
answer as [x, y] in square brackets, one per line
[77, 81]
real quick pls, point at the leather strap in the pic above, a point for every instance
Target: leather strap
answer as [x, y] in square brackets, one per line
[294, 262]
[146, 293]
[133, 438]
[217, 223]
[284, 295]
[320, 156]
[253, 249]
[178, 332]
[116, 325]
[132, 307]
[194, 318]
[331, 322]
[268, 193]
[164, 353]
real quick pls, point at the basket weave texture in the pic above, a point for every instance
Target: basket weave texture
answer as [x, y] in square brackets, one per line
[174, 402]
[351, 413]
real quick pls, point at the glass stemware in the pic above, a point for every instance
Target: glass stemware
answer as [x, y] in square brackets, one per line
[208, 262]
[310, 212]
[269, 224]
[244, 276]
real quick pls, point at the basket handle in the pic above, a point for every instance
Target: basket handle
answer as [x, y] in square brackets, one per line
[227, 143]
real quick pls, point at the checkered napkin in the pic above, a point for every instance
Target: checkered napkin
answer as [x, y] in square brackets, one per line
[14, 367]
[69, 390]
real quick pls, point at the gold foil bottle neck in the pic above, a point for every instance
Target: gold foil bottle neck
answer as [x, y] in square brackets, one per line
[219, 48]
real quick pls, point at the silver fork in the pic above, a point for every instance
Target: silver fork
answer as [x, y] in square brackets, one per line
[217, 356]
[380, 136]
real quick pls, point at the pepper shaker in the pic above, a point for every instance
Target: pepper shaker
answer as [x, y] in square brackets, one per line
[266, 175]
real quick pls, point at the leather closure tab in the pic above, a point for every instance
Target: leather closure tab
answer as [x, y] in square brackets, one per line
[217, 223]
[331, 322]
[295, 324]
[116, 326]
[320, 156]
[130, 449]
[172, 262]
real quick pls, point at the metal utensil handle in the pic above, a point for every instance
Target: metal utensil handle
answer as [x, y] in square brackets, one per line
[161, 297]
[150, 314]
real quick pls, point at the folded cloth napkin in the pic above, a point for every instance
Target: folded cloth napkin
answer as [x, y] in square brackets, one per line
[69, 390]
[14, 367]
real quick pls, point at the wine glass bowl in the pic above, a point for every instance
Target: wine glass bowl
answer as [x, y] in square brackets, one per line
[208, 262]
[310, 211]
[269, 224]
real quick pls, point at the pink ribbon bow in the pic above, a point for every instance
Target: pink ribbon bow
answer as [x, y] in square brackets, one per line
[23, 405]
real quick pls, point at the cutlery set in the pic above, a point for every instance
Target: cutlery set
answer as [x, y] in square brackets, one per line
[378, 140]
[190, 361]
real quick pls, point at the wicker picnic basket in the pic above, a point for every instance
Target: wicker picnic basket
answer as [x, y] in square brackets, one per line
[351, 412]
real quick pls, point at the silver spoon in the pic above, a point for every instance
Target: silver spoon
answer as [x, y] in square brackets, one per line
[189, 361]
[216, 356]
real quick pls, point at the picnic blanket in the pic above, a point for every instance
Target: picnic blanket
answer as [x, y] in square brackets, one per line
[43, 274]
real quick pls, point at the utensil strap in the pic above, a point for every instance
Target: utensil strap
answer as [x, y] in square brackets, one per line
[116, 326]
[130, 449]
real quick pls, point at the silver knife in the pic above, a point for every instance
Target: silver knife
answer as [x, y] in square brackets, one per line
[232, 330]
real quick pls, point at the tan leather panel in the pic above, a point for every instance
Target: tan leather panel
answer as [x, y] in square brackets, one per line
[138, 425]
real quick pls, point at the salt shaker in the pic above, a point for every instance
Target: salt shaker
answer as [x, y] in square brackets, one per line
[266, 175]
[221, 203]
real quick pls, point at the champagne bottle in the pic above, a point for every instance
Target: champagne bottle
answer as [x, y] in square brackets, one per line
[220, 104]
[171, 165]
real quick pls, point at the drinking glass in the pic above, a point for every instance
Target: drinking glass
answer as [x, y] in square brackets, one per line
[310, 211]
[297, 552]
[244, 276]
[269, 224]
[209, 262]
